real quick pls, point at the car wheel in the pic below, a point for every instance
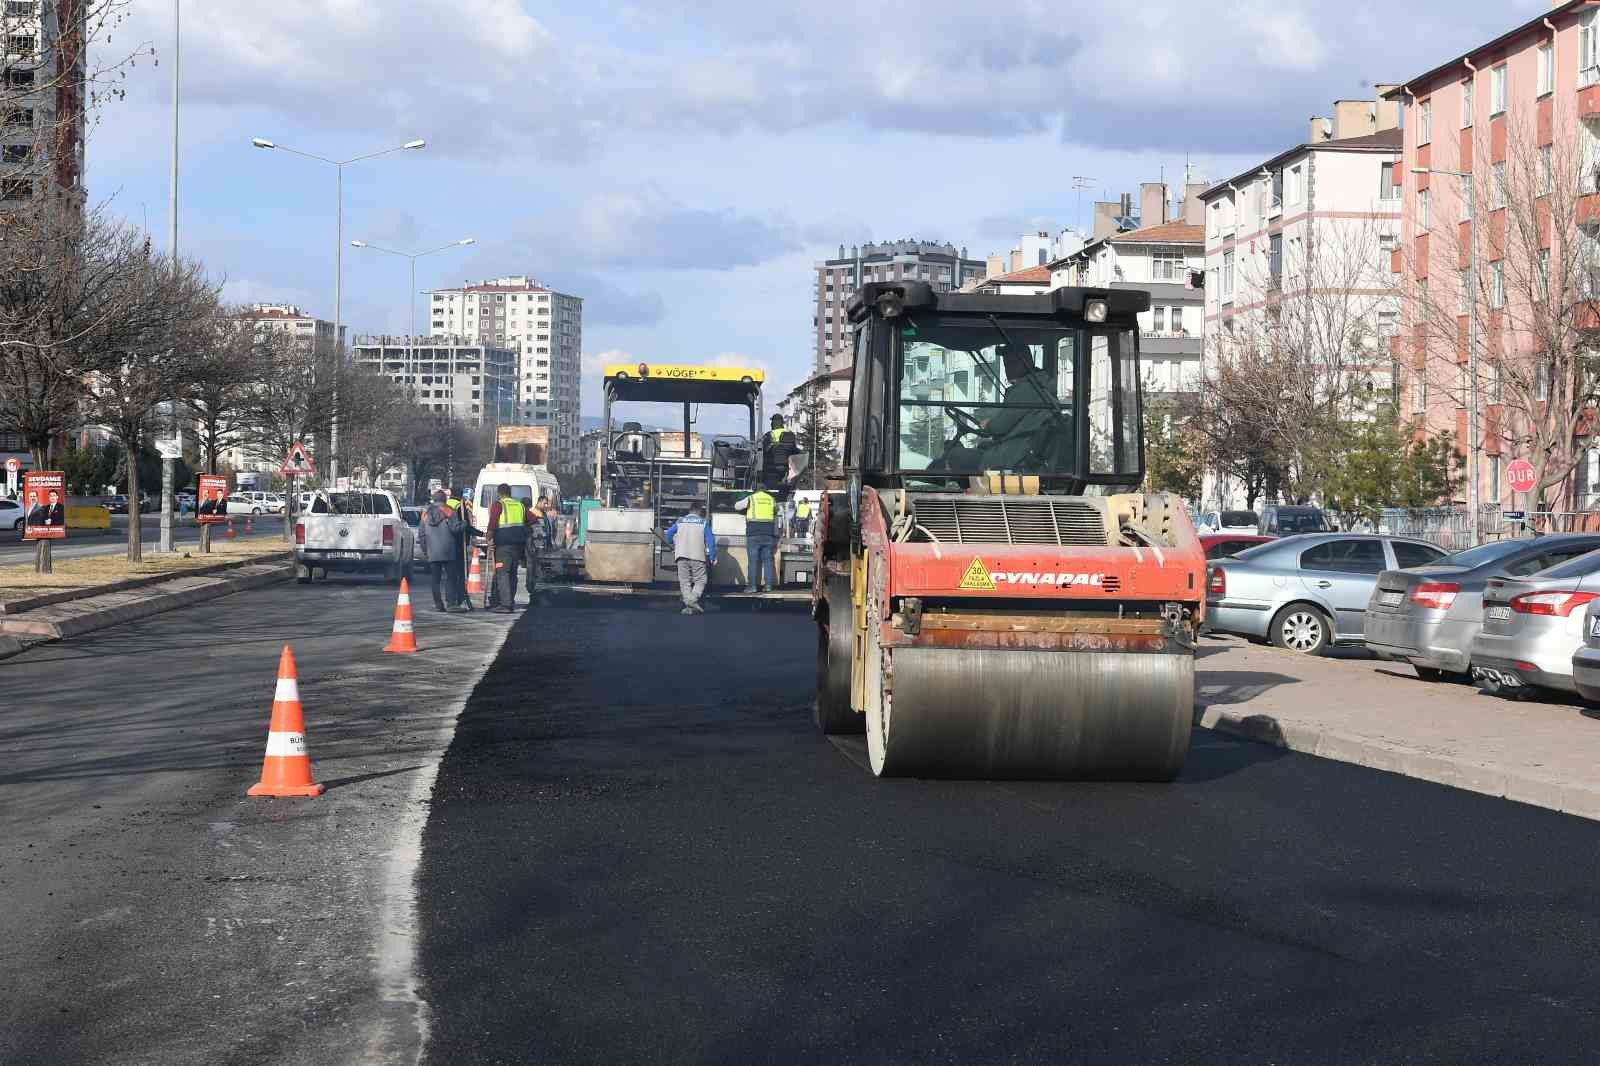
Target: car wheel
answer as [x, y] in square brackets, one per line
[1429, 673]
[1301, 628]
[256, 512]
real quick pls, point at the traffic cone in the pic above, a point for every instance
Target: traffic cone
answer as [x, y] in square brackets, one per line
[287, 770]
[403, 638]
[249, 526]
[474, 578]
[230, 532]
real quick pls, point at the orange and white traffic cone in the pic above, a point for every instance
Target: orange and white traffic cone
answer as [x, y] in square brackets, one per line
[404, 637]
[249, 526]
[287, 770]
[230, 532]
[474, 578]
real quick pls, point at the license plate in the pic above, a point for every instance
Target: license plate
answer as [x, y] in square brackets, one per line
[344, 555]
[1498, 614]
[1390, 599]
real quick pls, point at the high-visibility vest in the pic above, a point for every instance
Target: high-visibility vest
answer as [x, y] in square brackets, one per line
[776, 435]
[512, 511]
[454, 503]
[762, 507]
[802, 508]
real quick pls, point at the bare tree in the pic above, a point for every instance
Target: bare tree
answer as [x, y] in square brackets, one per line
[378, 416]
[1529, 309]
[1288, 382]
[226, 368]
[294, 399]
[146, 361]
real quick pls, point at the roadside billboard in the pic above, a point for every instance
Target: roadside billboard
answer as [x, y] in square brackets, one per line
[211, 500]
[44, 498]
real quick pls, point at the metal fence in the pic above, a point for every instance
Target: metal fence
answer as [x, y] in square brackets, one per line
[1451, 527]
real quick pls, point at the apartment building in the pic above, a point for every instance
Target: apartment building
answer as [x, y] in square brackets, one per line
[456, 377]
[833, 387]
[1162, 257]
[545, 329]
[1308, 235]
[942, 266]
[291, 320]
[1029, 281]
[1033, 250]
[1472, 123]
[42, 101]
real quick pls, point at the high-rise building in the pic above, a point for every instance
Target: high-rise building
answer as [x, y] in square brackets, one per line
[41, 97]
[467, 380]
[545, 329]
[942, 266]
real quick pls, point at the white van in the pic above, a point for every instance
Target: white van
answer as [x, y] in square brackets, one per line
[527, 483]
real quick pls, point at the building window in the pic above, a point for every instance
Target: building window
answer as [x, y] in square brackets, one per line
[1425, 122]
[16, 117]
[19, 79]
[1388, 189]
[1589, 48]
[16, 153]
[1227, 275]
[1547, 68]
[1275, 259]
[1497, 90]
[1166, 266]
[1541, 379]
[1547, 169]
[1464, 304]
[1497, 284]
[1497, 186]
[1419, 395]
[1544, 273]
[1467, 97]
[1159, 319]
[1424, 210]
[16, 189]
[20, 44]
[1296, 184]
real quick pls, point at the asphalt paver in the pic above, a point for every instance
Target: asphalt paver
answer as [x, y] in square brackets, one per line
[639, 850]
[149, 911]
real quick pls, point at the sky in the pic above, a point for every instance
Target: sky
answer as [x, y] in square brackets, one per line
[681, 166]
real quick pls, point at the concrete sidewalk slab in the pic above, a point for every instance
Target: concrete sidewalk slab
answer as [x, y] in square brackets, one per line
[114, 608]
[1362, 710]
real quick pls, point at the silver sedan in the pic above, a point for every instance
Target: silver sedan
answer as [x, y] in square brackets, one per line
[1306, 592]
[1429, 615]
[1532, 627]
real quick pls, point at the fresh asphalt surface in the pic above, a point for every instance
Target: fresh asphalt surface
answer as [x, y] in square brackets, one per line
[149, 911]
[639, 850]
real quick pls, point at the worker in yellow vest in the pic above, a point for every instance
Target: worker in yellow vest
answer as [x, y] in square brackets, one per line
[508, 530]
[760, 537]
[776, 447]
[802, 518]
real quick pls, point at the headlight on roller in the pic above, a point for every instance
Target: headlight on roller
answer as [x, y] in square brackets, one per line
[1095, 310]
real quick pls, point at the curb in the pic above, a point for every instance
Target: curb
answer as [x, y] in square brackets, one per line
[49, 599]
[71, 622]
[1582, 801]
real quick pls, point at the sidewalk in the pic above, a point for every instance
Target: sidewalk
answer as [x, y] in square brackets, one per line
[1359, 709]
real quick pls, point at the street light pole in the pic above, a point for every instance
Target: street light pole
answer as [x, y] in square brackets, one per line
[338, 263]
[1474, 493]
[165, 544]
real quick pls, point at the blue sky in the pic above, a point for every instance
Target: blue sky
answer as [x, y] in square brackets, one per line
[681, 165]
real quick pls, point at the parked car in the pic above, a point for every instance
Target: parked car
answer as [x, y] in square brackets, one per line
[12, 516]
[1533, 625]
[1428, 616]
[413, 518]
[1586, 660]
[1305, 592]
[1287, 520]
[1227, 545]
[354, 531]
[1228, 522]
[250, 503]
[117, 504]
[276, 502]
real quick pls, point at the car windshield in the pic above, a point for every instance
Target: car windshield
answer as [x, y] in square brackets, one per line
[1256, 550]
[1582, 566]
[979, 395]
[1301, 521]
[356, 503]
[1492, 552]
[1239, 518]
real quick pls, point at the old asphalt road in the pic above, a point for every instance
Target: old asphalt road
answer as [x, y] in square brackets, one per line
[149, 911]
[640, 851]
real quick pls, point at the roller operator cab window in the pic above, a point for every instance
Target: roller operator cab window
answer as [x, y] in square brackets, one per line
[978, 396]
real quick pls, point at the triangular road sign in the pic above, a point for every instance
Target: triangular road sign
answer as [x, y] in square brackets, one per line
[298, 462]
[977, 578]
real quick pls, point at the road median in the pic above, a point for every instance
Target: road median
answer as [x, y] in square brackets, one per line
[1379, 715]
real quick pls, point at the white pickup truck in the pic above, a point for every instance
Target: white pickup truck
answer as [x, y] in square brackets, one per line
[360, 530]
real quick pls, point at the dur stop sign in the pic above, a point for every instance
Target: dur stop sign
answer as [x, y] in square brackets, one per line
[1520, 476]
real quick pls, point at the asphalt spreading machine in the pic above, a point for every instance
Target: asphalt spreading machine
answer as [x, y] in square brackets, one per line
[994, 595]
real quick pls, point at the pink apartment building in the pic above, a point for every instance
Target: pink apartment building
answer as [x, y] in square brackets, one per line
[1531, 94]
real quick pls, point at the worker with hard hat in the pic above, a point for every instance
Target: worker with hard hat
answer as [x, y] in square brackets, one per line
[776, 447]
[801, 522]
[508, 531]
[760, 537]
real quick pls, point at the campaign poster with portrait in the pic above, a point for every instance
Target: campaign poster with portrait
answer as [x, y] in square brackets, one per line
[211, 503]
[44, 498]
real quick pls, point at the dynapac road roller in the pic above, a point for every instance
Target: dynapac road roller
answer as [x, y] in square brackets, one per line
[994, 597]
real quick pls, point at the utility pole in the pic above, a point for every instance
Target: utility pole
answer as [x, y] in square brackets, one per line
[167, 460]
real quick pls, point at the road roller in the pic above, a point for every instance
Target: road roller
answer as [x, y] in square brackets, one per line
[994, 595]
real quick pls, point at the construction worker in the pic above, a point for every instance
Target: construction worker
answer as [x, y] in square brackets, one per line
[777, 446]
[440, 532]
[802, 518]
[694, 548]
[508, 531]
[541, 538]
[760, 528]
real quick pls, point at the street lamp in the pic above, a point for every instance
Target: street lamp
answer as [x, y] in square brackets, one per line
[414, 256]
[338, 260]
[1473, 496]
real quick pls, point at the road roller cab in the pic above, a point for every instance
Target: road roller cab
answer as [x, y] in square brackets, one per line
[994, 596]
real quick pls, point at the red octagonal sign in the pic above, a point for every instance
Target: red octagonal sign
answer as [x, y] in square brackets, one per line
[1520, 476]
